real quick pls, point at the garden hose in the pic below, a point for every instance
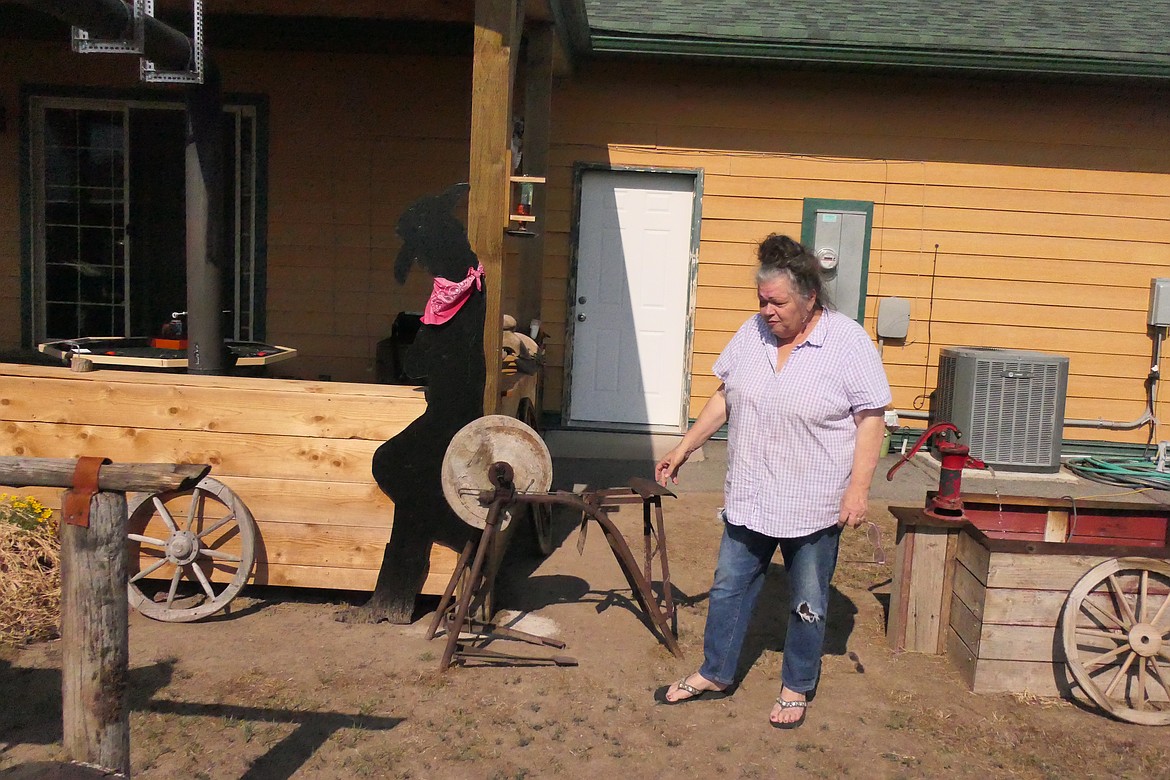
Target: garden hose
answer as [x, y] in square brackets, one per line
[1121, 471]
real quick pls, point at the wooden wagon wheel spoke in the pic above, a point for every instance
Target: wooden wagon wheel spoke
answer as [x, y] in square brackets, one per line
[1141, 684]
[1106, 657]
[1099, 634]
[194, 510]
[164, 513]
[1161, 611]
[1162, 677]
[174, 587]
[147, 540]
[1122, 603]
[1101, 613]
[1143, 596]
[219, 555]
[197, 545]
[212, 529]
[149, 570]
[1128, 662]
[199, 575]
[1128, 681]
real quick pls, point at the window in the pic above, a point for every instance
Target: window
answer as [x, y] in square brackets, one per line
[109, 224]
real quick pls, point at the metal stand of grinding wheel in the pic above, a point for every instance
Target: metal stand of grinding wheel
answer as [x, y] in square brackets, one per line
[496, 463]
[502, 452]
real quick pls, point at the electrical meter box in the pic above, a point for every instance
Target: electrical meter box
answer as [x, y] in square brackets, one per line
[837, 232]
[1160, 302]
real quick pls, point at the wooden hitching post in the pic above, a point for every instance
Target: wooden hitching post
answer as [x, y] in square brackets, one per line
[95, 653]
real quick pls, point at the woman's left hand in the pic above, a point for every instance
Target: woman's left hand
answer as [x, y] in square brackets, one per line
[854, 506]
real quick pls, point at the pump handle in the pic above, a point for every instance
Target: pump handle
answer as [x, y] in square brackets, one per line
[931, 432]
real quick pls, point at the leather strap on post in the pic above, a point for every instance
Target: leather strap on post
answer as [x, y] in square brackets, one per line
[85, 485]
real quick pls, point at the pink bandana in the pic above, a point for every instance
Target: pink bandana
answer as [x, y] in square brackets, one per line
[448, 297]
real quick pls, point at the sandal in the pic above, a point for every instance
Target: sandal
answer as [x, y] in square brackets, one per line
[695, 693]
[787, 705]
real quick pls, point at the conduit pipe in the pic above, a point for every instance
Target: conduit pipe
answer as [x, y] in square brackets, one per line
[172, 50]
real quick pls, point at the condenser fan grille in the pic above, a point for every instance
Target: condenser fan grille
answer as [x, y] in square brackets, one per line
[1009, 404]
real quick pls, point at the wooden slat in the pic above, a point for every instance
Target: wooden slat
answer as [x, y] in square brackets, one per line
[927, 572]
[442, 563]
[192, 408]
[1000, 642]
[1038, 678]
[198, 380]
[965, 623]
[251, 455]
[969, 590]
[1040, 572]
[961, 656]
[974, 556]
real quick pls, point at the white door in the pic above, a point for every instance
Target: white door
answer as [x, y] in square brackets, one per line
[629, 314]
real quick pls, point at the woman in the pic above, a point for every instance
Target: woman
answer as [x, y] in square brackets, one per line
[803, 393]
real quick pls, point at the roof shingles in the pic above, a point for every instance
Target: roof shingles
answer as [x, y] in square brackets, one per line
[1119, 32]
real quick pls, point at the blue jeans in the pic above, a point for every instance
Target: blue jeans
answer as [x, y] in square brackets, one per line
[744, 556]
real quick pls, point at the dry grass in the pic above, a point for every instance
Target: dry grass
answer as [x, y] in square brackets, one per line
[30, 584]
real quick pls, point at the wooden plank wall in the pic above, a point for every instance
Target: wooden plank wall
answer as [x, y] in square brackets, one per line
[1049, 205]
[297, 453]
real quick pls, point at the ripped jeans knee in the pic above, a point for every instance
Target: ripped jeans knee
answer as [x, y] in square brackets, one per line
[806, 613]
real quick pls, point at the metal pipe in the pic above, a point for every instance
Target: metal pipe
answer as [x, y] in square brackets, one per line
[206, 353]
[163, 44]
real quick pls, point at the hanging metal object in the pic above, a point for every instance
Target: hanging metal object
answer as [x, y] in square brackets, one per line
[83, 43]
[193, 73]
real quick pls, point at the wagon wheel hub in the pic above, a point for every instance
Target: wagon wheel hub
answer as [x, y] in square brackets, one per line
[183, 547]
[1145, 640]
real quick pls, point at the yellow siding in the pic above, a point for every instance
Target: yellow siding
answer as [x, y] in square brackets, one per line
[1049, 206]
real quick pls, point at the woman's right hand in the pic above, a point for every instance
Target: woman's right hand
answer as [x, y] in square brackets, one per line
[667, 468]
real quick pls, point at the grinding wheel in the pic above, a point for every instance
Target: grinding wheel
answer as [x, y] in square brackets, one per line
[480, 443]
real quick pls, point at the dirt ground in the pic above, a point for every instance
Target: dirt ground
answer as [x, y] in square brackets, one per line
[279, 688]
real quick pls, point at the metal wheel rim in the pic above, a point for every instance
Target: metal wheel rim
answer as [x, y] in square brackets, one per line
[178, 557]
[1109, 639]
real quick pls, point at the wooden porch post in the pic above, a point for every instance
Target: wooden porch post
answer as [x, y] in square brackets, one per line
[537, 118]
[496, 39]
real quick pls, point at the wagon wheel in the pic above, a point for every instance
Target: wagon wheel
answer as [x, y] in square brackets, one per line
[541, 514]
[205, 536]
[1116, 626]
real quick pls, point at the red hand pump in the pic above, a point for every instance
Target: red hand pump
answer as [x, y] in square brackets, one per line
[947, 504]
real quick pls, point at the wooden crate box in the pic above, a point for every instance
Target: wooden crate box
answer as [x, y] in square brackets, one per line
[989, 592]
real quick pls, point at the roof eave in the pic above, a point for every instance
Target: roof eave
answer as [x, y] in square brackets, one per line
[889, 56]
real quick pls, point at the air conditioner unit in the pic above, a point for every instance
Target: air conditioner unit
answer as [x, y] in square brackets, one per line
[1008, 403]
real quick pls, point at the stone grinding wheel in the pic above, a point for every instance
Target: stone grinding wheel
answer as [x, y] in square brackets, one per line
[479, 444]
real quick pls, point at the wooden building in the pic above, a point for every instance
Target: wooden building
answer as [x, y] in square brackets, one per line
[1005, 170]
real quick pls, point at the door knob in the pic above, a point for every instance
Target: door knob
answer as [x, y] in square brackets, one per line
[580, 318]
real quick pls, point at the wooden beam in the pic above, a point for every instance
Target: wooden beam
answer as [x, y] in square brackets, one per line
[537, 119]
[491, 132]
[138, 477]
